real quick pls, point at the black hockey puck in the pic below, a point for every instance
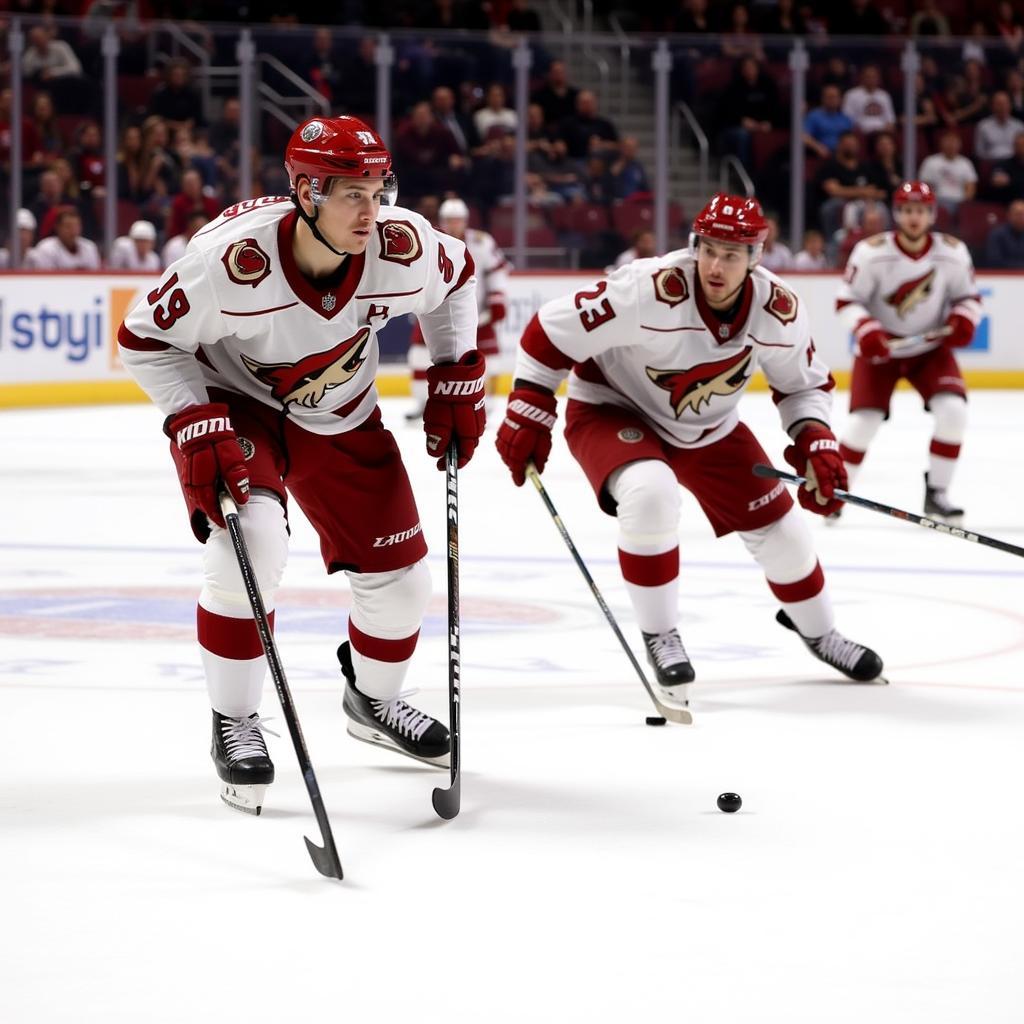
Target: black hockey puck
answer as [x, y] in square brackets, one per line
[654, 720]
[729, 802]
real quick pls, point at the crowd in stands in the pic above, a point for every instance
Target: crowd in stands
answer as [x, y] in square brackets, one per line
[454, 126]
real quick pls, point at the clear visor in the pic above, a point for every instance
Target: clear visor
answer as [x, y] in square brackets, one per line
[321, 193]
[754, 252]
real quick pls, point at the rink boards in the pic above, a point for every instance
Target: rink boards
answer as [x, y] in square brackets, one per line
[58, 332]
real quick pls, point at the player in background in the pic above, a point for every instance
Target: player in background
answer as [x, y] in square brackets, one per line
[491, 287]
[259, 346]
[909, 299]
[658, 355]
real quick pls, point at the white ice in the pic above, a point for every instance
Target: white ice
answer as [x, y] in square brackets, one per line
[873, 874]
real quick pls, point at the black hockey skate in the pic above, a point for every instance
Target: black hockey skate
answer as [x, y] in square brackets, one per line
[671, 664]
[243, 764]
[855, 661]
[392, 723]
[938, 506]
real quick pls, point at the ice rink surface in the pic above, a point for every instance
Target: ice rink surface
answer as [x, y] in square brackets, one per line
[873, 874]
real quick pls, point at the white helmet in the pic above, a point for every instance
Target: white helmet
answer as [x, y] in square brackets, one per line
[453, 209]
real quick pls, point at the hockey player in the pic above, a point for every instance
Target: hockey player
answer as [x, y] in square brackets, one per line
[259, 345]
[909, 299]
[658, 355]
[492, 282]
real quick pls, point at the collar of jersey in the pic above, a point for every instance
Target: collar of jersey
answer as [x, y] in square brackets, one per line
[912, 255]
[342, 284]
[710, 318]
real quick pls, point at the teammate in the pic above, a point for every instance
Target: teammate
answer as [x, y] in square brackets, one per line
[658, 355]
[909, 298]
[267, 326]
[492, 282]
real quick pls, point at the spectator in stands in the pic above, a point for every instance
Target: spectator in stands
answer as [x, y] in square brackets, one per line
[783, 19]
[26, 224]
[690, 19]
[626, 173]
[748, 107]
[993, 138]
[812, 256]
[974, 44]
[1015, 90]
[824, 124]
[323, 70]
[562, 174]
[47, 58]
[874, 220]
[131, 171]
[856, 18]
[359, 80]
[175, 247]
[951, 175]
[643, 248]
[495, 118]
[597, 182]
[163, 174]
[191, 198]
[88, 163]
[885, 168]
[427, 158]
[841, 179]
[178, 101]
[47, 130]
[1004, 249]
[50, 197]
[136, 250]
[928, 20]
[925, 117]
[191, 150]
[837, 72]
[522, 18]
[557, 98]
[588, 134]
[1007, 181]
[448, 116]
[868, 105]
[223, 140]
[777, 256]
[32, 155]
[739, 40]
[65, 249]
[964, 99]
[1010, 31]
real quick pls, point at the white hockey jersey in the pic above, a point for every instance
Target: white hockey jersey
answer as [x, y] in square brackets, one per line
[645, 339]
[491, 270]
[125, 256]
[908, 294]
[236, 313]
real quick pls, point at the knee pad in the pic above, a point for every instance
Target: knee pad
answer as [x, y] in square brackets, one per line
[266, 537]
[861, 427]
[784, 549]
[950, 412]
[390, 605]
[647, 496]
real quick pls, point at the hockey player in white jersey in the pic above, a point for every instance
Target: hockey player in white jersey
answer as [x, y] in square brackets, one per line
[658, 355]
[260, 347]
[491, 287]
[909, 299]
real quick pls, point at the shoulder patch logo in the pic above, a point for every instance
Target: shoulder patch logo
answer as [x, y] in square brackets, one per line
[670, 286]
[399, 242]
[782, 304]
[246, 262]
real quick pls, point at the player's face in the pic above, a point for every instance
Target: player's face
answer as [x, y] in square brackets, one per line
[347, 216]
[722, 268]
[454, 226]
[913, 219]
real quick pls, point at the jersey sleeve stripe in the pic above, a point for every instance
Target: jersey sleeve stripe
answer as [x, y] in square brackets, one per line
[467, 272]
[536, 343]
[126, 339]
[781, 396]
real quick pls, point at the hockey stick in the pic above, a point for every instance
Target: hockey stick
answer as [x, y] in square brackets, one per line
[667, 711]
[448, 801]
[325, 858]
[897, 344]
[897, 513]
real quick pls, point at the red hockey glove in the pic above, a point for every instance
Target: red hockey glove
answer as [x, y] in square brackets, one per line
[455, 407]
[209, 456]
[961, 331]
[497, 310]
[525, 433]
[871, 341]
[815, 455]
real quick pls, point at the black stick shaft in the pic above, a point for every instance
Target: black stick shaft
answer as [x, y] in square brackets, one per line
[326, 858]
[897, 513]
[676, 715]
[448, 801]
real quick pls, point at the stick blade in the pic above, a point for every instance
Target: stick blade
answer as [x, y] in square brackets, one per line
[325, 858]
[448, 801]
[760, 469]
[678, 715]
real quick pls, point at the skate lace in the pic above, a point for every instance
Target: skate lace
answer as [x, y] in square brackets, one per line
[243, 737]
[402, 717]
[667, 648]
[837, 650]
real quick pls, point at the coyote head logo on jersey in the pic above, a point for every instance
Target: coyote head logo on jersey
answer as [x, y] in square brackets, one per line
[693, 388]
[246, 262]
[911, 293]
[307, 381]
[399, 242]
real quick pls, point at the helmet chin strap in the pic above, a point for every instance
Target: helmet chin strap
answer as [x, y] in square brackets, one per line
[311, 224]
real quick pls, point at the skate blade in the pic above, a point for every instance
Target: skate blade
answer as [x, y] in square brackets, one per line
[367, 734]
[248, 799]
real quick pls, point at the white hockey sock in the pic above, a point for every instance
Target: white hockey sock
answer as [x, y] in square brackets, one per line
[858, 434]
[950, 412]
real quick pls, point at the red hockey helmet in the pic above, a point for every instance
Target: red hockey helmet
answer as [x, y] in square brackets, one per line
[914, 192]
[325, 148]
[735, 219]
